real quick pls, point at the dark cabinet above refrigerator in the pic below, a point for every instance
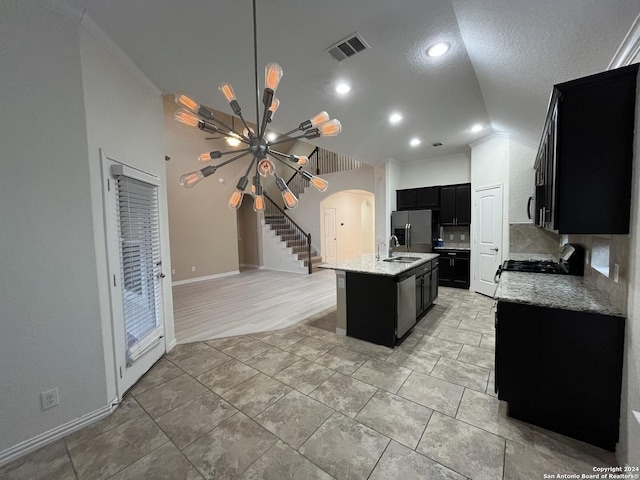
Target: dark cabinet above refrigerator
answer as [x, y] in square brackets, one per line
[418, 198]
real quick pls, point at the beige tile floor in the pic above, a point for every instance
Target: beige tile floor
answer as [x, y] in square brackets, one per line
[304, 403]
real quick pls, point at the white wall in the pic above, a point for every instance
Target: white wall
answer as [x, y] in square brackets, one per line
[447, 170]
[490, 166]
[521, 181]
[65, 96]
[124, 118]
[49, 291]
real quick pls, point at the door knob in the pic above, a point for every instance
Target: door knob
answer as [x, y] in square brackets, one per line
[494, 249]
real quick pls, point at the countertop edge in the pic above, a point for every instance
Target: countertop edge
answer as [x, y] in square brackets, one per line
[398, 268]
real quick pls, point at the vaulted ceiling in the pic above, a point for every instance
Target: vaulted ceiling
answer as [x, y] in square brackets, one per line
[505, 56]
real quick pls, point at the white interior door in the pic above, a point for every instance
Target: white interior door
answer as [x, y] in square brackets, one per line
[330, 235]
[487, 206]
[135, 270]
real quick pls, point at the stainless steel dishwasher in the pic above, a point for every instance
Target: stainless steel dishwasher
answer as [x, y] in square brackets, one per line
[406, 307]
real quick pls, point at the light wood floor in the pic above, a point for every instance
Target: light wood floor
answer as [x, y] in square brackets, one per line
[252, 301]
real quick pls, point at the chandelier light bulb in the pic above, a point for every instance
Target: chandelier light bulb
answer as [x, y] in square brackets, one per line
[227, 91]
[236, 199]
[183, 115]
[320, 183]
[319, 119]
[330, 128]
[275, 103]
[187, 102]
[272, 75]
[258, 203]
[266, 167]
[302, 160]
[208, 156]
[189, 180]
[289, 198]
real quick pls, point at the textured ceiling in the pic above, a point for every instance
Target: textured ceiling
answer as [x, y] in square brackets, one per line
[505, 56]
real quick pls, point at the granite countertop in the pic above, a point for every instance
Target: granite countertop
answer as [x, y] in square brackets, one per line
[533, 256]
[369, 264]
[452, 247]
[565, 292]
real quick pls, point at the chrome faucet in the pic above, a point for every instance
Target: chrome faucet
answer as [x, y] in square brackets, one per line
[378, 249]
[393, 242]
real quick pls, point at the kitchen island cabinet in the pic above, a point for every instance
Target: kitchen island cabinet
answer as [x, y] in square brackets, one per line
[382, 302]
[559, 354]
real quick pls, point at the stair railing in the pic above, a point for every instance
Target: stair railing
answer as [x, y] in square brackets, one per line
[302, 239]
[322, 161]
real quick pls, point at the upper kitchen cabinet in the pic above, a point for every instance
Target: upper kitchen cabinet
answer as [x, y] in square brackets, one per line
[455, 205]
[418, 198]
[584, 162]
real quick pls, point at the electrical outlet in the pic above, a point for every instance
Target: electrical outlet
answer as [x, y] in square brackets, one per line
[50, 398]
[450, 236]
[616, 273]
[587, 257]
[462, 237]
[173, 271]
[193, 268]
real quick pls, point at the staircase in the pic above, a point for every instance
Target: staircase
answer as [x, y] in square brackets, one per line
[296, 240]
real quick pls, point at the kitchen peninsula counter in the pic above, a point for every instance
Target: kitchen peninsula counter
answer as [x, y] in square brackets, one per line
[371, 265]
[380, 301]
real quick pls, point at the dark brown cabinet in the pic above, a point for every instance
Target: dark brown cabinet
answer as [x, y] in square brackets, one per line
[418, 198]
[426, 291]
[454, 268]
[584, 162]
[455, 204]
[561, 370]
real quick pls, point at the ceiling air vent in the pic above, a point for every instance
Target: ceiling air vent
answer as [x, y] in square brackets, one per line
[348, 47]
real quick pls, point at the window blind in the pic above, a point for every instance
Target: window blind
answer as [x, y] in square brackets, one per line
[139, 238]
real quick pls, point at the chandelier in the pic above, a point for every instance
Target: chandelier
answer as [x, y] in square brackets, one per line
[254, 142]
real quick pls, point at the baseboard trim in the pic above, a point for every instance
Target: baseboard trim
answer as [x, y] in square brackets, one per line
[341, 331]
[170, 346]
[202, 279]
[39, 441]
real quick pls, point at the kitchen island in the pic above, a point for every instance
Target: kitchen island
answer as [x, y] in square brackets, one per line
[380, 299]
[559, 354]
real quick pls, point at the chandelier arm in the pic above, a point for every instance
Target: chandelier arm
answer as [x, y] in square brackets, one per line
[255, 71]
[245, 124]
[229, 129]
[275, 152]
[226, 162]
[297, 170]
[246, 174]
[285, 140]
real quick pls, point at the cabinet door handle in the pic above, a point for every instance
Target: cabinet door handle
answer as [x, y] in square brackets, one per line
[529, 208]
[494, 249]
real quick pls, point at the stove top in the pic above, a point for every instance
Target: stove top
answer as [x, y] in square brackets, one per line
[538, 266]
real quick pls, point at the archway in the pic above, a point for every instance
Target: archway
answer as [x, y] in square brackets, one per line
[347, 225]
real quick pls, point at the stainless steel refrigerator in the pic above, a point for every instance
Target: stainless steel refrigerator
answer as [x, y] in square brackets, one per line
[413, 229]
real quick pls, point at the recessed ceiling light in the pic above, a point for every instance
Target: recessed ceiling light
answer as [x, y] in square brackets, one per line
[438, 49]
[477, 127]
[414, 142]
[271, 136]
[395, 118]
[343, 88]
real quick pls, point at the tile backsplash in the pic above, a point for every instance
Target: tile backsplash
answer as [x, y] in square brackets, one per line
[527, 238]
[455, 237]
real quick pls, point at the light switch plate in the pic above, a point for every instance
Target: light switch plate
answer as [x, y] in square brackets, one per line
[462, 237]
[450, 236]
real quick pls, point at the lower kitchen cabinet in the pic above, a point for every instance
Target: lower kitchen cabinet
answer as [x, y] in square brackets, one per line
[454, 268]
[561, 370]
[381, 308]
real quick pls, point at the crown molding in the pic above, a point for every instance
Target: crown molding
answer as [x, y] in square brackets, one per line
[629, 48]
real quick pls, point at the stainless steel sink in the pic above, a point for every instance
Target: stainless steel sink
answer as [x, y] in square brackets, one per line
[401, 259]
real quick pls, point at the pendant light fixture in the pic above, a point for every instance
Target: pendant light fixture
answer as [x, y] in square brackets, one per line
[255, 143]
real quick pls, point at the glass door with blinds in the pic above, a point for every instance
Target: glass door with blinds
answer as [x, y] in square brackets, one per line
[135, 269]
